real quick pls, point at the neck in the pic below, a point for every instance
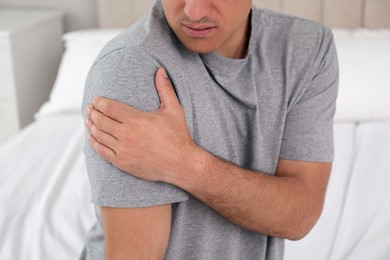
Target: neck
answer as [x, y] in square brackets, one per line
[239, 43]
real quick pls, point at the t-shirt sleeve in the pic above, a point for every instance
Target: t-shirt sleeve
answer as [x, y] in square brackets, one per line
[308, 131]
[127, 75]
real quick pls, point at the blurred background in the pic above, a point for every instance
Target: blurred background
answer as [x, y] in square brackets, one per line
[78, 14]
[46, 50]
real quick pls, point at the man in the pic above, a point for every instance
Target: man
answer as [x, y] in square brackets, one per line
[232, 166]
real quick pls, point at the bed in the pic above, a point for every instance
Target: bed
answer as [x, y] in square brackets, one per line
[44, 189]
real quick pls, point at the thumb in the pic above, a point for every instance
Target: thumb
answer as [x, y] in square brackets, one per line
[165, 90]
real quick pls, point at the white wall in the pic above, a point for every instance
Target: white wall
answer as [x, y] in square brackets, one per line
[79, 14]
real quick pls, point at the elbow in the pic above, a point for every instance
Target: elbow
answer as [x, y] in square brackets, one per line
[299, 229]
[293, 231]
[303, 221]
[296, 234]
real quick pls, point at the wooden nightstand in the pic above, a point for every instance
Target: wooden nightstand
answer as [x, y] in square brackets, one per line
[30, 53]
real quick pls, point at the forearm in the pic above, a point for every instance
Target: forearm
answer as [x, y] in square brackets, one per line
[139, 233]
[273, 205]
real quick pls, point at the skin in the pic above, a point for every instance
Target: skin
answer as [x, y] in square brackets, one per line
[227, 19]
[285, 205]
[148, 239]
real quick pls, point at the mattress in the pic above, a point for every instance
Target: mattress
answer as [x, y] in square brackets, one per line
[45, 194]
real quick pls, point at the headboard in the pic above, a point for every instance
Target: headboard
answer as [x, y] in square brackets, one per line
[334, 13]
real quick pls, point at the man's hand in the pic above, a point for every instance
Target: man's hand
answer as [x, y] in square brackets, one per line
[149, 145]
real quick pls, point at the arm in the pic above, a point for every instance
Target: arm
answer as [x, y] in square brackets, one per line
[286, 205]
[130, 206]
[142, 233]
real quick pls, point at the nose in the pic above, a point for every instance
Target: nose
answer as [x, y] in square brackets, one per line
[197, 9]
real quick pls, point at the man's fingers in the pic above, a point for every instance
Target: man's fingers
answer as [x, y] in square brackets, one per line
[111, 108]
[103, 122]
[165, 90]
[104, 151]
[101, 136]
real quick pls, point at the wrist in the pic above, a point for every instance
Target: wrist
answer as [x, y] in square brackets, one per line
[192, 168]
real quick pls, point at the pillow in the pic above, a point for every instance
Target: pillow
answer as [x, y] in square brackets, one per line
[364, 58]
[81, 49]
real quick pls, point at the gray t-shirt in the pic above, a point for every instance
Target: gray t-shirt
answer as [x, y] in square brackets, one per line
[278, 102]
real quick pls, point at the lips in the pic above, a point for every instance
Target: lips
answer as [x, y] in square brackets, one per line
[199, 31]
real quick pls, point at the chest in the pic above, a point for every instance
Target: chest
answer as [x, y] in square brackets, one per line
[238, 120]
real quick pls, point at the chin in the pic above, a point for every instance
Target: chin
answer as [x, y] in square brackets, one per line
[199, 47]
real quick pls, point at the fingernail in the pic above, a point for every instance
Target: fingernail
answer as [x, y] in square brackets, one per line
[164, 74]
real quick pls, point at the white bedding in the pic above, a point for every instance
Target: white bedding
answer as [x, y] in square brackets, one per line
[45, 194]
[44, 190]
[355, 223]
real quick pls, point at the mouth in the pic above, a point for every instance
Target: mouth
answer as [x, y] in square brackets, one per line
[199, 31]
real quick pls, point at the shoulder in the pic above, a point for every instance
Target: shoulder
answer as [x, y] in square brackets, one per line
[141, 42]
[127, 58]
[123, 72]
[289, 41]
[287, 22]
[292, 31]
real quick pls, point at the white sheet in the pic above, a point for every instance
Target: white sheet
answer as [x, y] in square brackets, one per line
[322, 236]
[44, 195]
[355, 224]
[44, 192]
[364, 230]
